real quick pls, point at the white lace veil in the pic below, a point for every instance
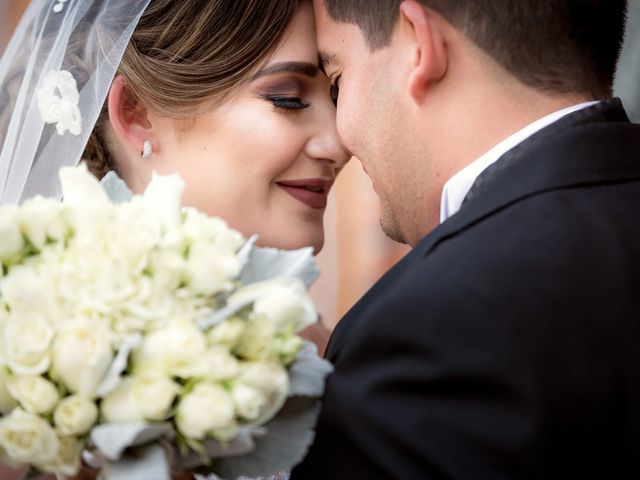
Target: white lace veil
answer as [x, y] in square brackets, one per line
[54, 80]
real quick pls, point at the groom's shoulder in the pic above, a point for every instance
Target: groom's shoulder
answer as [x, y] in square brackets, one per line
[560, 231]
[534, 251]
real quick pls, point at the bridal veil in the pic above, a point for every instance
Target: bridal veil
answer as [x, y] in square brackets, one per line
[54, 79]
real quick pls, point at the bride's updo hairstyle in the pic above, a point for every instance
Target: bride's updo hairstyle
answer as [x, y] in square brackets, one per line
[186, 57]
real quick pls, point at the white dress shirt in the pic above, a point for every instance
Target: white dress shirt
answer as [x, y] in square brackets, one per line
[458, 186]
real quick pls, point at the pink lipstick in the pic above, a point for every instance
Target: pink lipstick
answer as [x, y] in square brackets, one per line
[312, 192]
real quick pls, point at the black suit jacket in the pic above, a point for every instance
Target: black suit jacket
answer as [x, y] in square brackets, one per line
[506, 345]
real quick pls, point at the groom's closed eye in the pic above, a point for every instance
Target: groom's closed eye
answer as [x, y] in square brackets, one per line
[335, 90]
[325, 62]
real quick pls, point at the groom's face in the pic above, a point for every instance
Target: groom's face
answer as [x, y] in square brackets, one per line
[369, 114]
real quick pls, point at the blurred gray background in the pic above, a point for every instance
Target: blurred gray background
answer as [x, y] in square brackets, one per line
[627, 84]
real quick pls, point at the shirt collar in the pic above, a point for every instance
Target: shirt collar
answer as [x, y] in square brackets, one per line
[457, 187]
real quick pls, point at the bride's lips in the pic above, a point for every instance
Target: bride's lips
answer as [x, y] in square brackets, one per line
[312, 191]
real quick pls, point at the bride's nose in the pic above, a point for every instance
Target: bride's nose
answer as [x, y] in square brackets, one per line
[325, 144]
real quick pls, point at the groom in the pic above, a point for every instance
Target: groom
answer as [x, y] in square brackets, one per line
[506, 345]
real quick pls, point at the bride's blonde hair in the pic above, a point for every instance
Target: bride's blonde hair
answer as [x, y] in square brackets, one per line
[187, 56]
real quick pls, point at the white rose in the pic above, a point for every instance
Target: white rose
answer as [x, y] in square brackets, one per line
[248, 401]
[96, 281]
[257, 339]
[68, 459]
[34, 393]
[163, 198]
[82, 354]
[27, 291]
[42, 219]
[154, 394]
[272, 380]
[287, 348]
[167, 269]
[28, 438]
[11, 240]
[218, 364]
[173, 351]
[228, 333]
[205, 410]
[226, 434]
[26, 343]
[7, 402]
[146, 397]
[75, 415]
[211, 269]
[121, 405]
[134, 234]
[200, 227]
[81, 189]
[283, 301]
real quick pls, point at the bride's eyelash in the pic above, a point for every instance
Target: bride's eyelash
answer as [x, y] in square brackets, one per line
[287, 103]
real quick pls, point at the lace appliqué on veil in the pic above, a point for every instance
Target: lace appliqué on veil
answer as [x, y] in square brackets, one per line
[58, 100]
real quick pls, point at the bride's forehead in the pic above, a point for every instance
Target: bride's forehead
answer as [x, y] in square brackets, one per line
[299, 40]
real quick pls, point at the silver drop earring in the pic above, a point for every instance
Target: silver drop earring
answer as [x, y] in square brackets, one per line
[147, 150]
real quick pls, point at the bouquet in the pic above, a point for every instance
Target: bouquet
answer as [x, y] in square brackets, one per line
[145, 337]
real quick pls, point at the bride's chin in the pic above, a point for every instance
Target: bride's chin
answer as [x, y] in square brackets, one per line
[295, 242]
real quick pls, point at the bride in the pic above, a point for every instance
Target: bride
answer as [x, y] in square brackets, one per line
[226, 93]
[236, 105]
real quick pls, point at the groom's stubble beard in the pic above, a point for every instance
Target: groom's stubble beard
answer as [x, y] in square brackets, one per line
[408, 202]
[391, 178]
[389, 224]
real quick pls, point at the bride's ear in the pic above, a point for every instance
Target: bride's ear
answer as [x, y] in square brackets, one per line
[421, 31]
[129, 118]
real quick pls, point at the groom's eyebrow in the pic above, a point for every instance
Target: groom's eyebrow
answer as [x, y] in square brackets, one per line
[303, 68]
[325, 59]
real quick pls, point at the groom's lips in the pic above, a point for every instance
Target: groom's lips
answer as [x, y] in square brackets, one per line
[313, 192]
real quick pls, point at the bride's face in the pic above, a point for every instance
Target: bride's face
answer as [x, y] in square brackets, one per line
[267, 158]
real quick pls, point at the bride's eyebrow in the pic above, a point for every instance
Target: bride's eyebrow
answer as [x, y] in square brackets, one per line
[303, 68]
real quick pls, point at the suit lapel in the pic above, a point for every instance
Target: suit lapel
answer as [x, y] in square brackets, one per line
[603, 112]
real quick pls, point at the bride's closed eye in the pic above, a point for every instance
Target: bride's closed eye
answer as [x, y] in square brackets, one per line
[287, 103]
[288, 83]
[285, 94]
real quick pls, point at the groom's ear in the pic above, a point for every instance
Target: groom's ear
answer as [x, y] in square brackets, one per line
[129, 117]
[420, 30]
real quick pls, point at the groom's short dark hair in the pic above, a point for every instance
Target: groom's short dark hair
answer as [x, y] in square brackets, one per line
[555, 45]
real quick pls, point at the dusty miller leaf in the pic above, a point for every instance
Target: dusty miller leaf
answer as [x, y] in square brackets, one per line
[116, 189]
[113, 376]
[144, 463]
[308, 374]
[112, 439]
[288, 438]
[268, 263]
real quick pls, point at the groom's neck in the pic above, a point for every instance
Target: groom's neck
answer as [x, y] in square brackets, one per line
[468, 117]
[490, 111]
